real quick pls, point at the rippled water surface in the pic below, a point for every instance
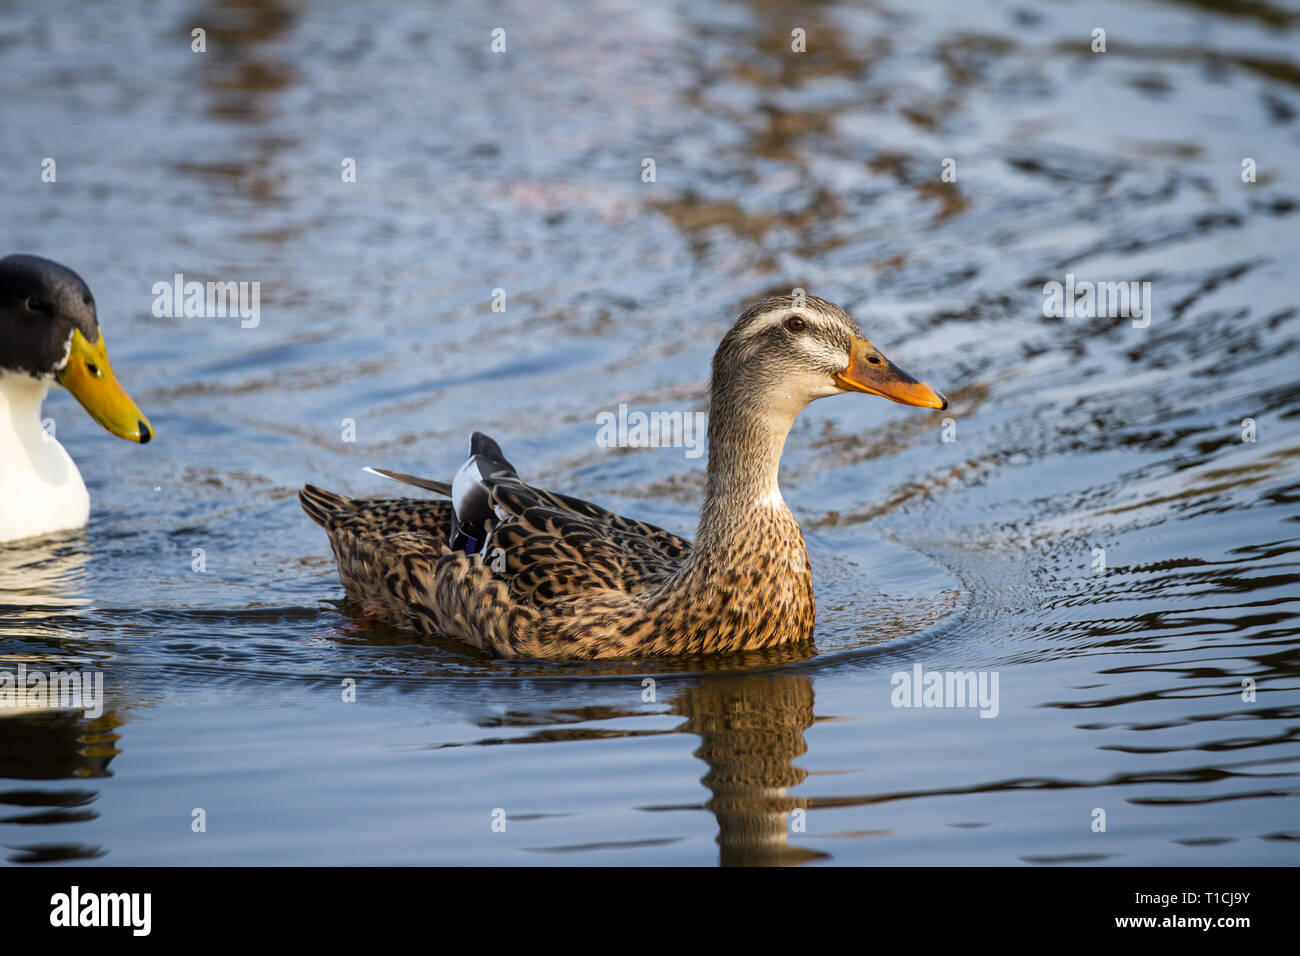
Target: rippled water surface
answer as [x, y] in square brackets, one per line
[1120, 688]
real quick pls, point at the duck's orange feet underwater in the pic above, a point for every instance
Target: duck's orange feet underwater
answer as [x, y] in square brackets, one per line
[367, 619]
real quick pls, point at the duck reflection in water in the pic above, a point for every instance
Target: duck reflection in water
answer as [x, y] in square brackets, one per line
[751, 729]
[49, 746]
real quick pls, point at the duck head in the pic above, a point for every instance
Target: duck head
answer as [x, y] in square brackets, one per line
[49, 331]
[786, 352]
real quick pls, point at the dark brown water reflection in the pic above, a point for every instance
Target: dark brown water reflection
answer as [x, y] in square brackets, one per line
[1121, 688]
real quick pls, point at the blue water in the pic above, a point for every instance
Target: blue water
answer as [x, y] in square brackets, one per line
[1120, 690]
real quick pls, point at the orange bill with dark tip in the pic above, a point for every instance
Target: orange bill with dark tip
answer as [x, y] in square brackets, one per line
[869, 371]
[89, 377]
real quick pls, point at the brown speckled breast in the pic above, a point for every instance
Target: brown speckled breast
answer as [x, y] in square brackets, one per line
[754, 590]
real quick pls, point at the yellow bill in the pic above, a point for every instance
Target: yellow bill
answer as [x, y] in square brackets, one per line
[89, 377]
[869, 371]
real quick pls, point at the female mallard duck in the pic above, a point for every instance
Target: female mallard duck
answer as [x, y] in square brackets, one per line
[521, 572]
[49, 333]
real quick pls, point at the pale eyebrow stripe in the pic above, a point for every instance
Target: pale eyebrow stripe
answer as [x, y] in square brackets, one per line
[771, 320]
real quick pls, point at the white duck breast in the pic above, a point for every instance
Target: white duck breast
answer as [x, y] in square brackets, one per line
[41, 490]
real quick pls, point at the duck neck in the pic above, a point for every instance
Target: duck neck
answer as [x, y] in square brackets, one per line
[40, 487]
[745, 444]
[21, 397]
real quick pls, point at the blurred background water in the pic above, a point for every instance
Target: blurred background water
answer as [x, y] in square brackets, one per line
[1120, 689]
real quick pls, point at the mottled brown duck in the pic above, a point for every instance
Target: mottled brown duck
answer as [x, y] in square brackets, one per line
[517, 571]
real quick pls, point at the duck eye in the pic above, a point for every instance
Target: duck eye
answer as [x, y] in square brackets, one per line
[794, 323]
[36, 305]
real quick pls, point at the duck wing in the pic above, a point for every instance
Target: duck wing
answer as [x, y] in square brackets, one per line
[557, 544]
[549, 546]
[414, 580]
[484, 567]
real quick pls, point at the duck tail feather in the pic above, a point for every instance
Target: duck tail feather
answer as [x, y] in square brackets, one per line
[321, 505]
[429, 484]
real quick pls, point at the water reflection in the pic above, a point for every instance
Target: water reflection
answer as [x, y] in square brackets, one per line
[244, 74]
[41, 577]
[43, 605]
[751, 730]
[244, 68]
[48, 747]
